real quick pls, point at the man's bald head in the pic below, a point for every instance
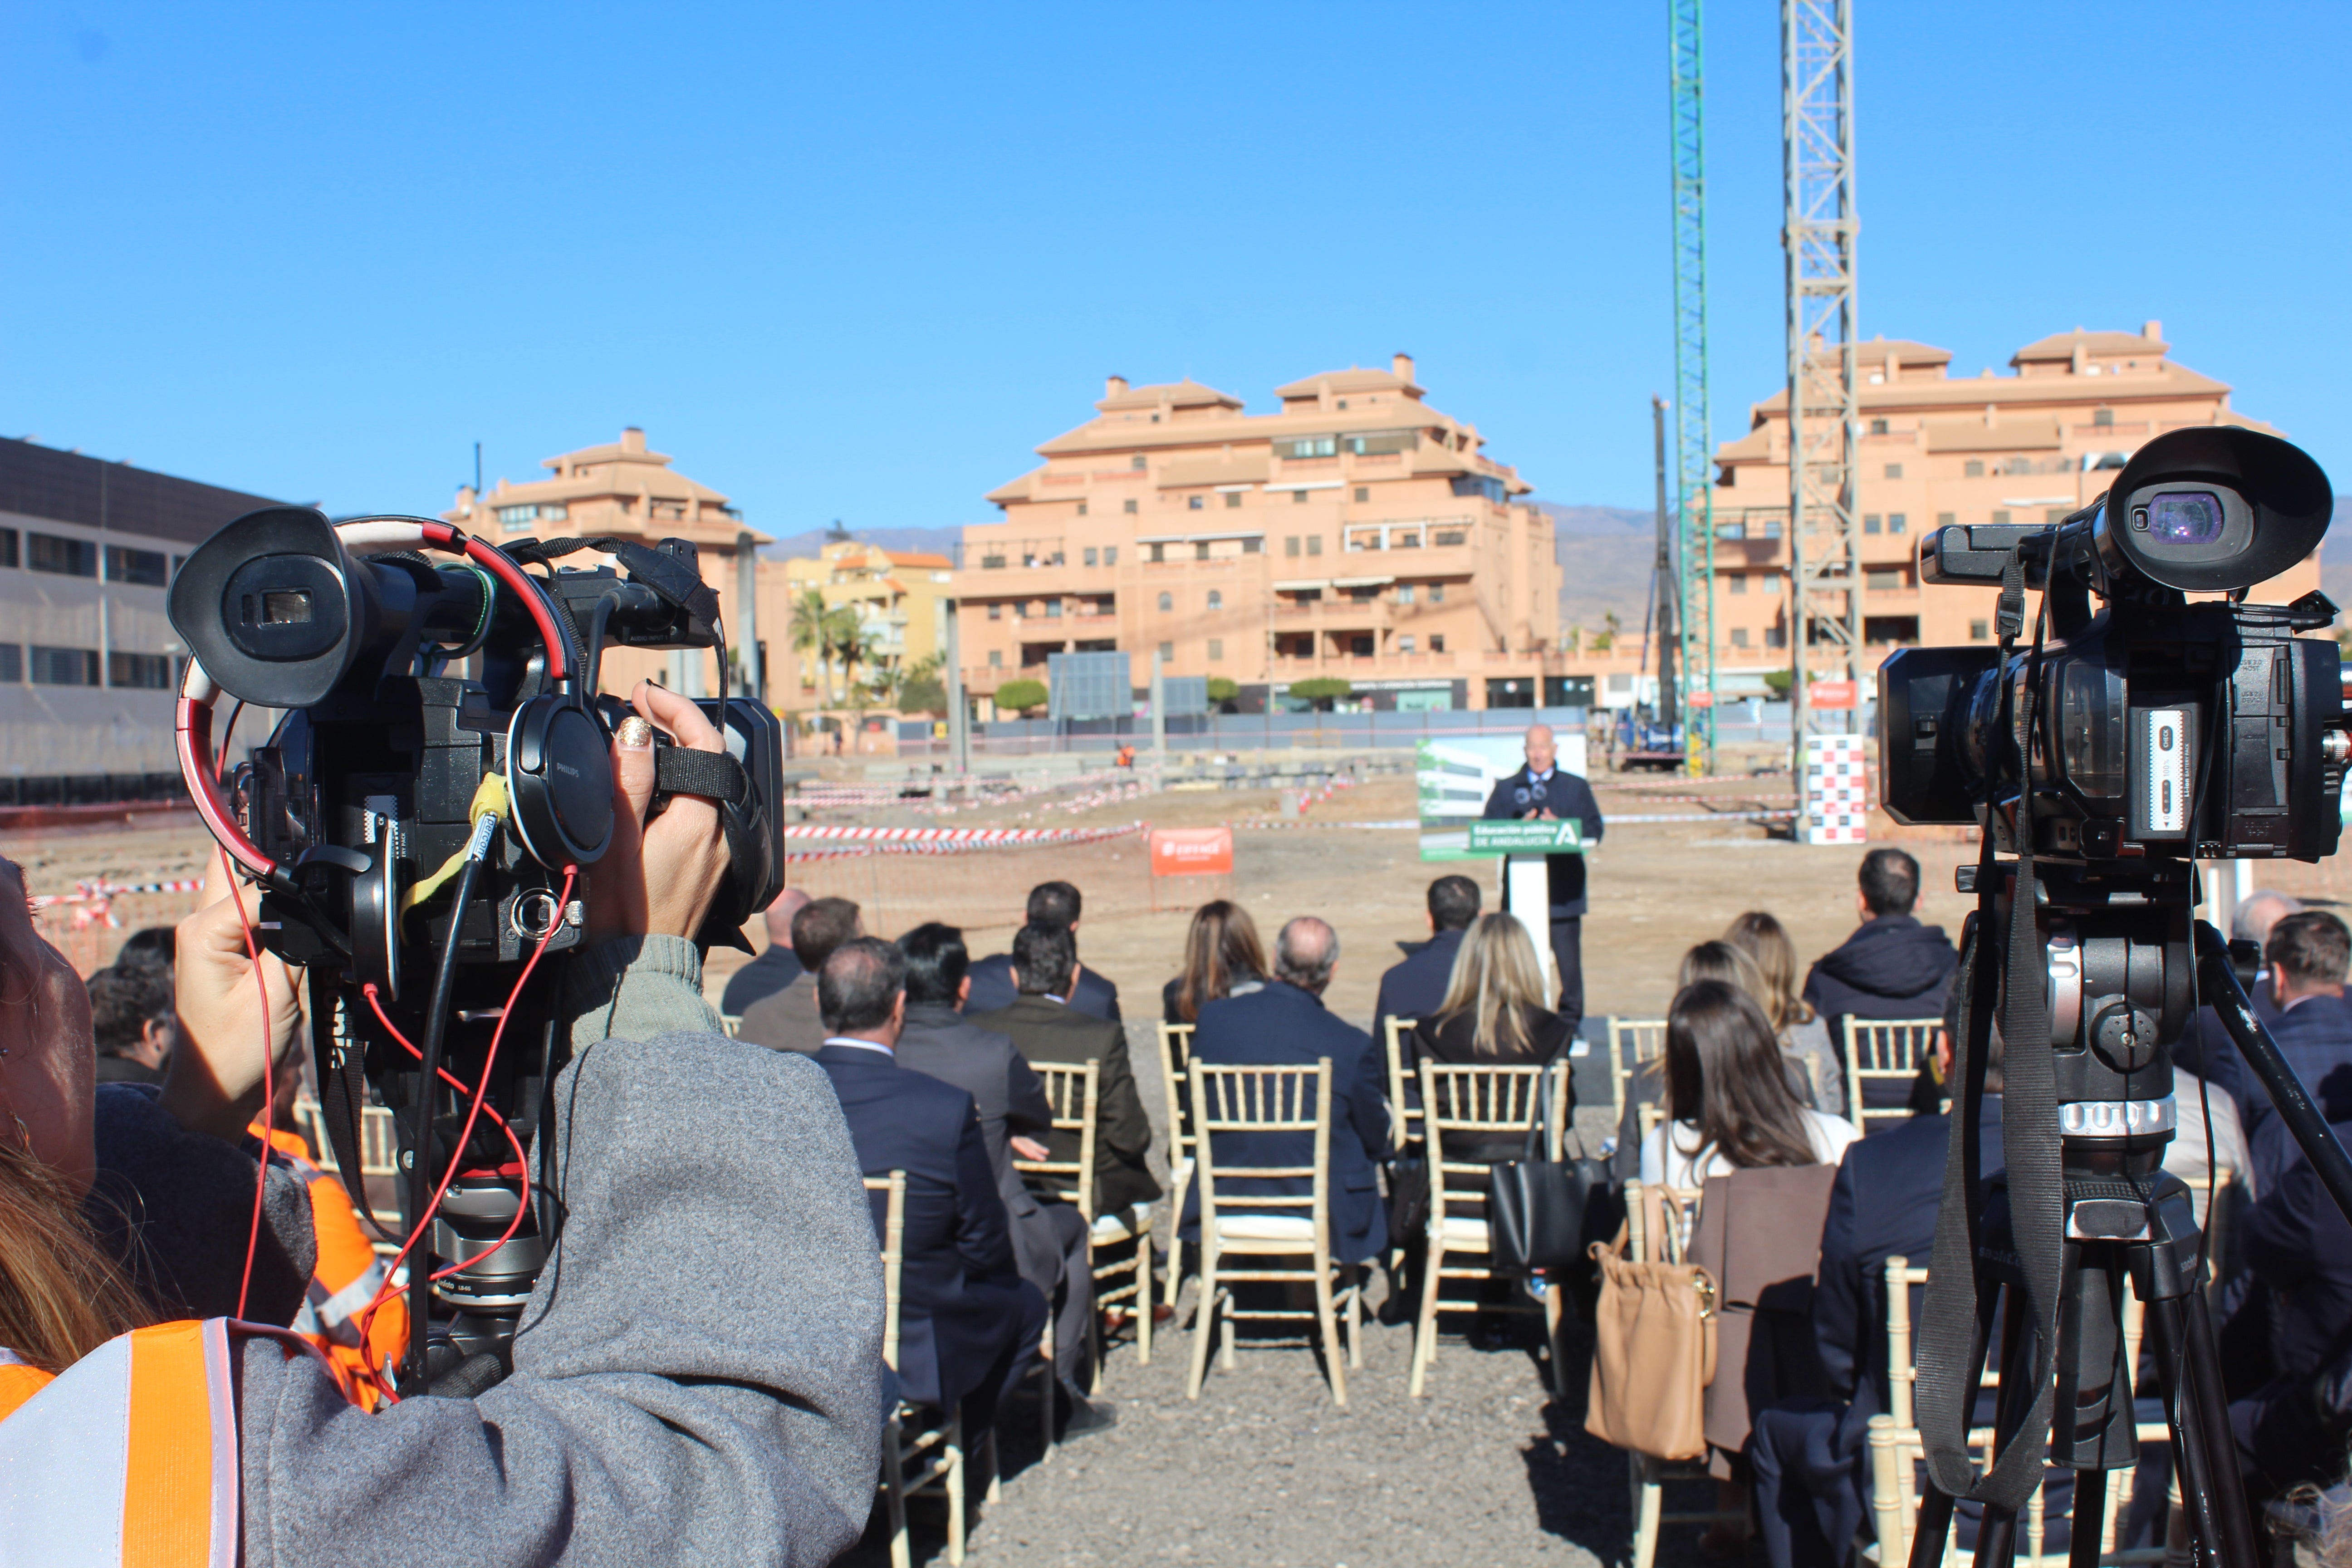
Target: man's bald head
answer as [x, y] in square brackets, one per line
[1305, 953]
[2259, 913]
[778, 918]
[1542, 751]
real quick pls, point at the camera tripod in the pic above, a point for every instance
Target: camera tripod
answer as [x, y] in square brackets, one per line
[2120, 1215]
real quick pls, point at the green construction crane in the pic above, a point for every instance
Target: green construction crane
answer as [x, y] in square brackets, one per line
[1694, 468]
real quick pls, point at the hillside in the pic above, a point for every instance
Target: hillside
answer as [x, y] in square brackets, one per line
[804, 546]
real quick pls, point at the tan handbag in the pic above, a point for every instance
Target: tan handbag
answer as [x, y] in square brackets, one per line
[1653, 1355]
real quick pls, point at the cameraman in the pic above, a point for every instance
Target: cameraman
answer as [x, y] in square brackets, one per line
[698, 1375]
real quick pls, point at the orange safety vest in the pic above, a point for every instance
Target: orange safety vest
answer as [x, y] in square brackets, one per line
[348, 1276]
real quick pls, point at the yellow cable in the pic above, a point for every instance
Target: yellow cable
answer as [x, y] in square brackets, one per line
[489, 800]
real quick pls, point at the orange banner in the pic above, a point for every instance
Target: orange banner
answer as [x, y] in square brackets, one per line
[1831, 693]
[1192, 851]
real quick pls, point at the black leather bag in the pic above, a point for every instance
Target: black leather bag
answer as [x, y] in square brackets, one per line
[1534, 1209]
[1409, 1196]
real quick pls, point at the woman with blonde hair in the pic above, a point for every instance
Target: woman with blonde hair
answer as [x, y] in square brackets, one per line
[1493, 1016]
[1804, 1036]
[1223, 957]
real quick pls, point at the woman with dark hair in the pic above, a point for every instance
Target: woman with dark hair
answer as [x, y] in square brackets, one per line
[1223, 957]
[1804, 1036]
[1727, 1097]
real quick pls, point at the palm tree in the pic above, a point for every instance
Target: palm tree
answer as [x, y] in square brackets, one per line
[812, 634]
[853, 642]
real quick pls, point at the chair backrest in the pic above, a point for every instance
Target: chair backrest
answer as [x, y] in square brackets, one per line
[893, 1232]
[1902, 1370]
[1401, 1134]
[1632, 1042]
[1070, 1091]
[1175, 1056]
[1262, 1100]
[1498, 1101]
[1879, 1050]
[1658, 1221]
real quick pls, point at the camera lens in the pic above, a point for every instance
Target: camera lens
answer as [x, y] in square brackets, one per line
[2184, 517]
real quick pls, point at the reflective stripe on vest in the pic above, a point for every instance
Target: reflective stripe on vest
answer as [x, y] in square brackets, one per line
[129, 1455]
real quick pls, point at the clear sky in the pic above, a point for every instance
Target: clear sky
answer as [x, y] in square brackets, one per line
[855, 261]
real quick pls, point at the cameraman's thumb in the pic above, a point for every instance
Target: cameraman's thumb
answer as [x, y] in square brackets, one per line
[632, 766]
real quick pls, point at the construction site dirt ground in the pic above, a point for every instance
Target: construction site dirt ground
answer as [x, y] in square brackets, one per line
[1656, 887]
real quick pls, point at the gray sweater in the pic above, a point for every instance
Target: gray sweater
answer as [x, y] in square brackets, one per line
[698, 1374]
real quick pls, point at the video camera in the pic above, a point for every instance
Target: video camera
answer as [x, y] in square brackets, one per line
[422, 837]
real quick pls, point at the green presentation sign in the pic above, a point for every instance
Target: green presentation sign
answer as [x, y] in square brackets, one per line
[1566, 838]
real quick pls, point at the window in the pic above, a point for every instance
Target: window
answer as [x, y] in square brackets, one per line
[7, 547]
[1299, 497]
[1363, 492]
[1478, 485]
[1136, 462]
[1232, 499]
[2103, 417]
[1878, 426]
[1883, 579]
[991, 563]
[1776, 637]
[1894, 470]
[1405, 593]
[2000, 517]
[1972, 470]
[1740, 637]
[1379, 442]
[1255, 546]
[1404, 643]
[996, 658]
[1159, 552]
[1167, 603]
[66, 557]
[1945, 519]
[1200, 549]
[1890, 630]
[1090, 555]
[1216, 600]
[1309, 446]
[1110, 555]
[1361, 646]
[1082, 509]
[1021, 611]
[1740, 582]
[12, 664]
[1167, 652]
[1053, 609]
[64, 666]
[139, 672]
[1870, 523]
[1898, 521]
[1314, 544]
[1437, 592]
[1976, 630]
[517, 516]
[1451, 536]
[1290, 544]
[1194, 503]
[995, 612]
[1216, 648]
[1127, 507]
[1772, 529]
[1437, 641]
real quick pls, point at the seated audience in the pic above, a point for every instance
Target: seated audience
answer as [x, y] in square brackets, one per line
[968, 1323]
[1049, 1238]
[1803, 1036]
[775, 968]
[1286, 1025]
[1048, 1029]
[1727, 1097]
[1891, 967]
[1491, 1015]
[1419, 987]
[2308, 954]
[2204, 1046]
[1050, 904]
[150, 945]
[1223, 957]
[132, 1019]
[1719, 961]
[787, 1020]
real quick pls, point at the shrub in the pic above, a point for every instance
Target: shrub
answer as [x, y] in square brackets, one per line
[1222, 690]
[1780, 680]
[1021, 696]
[1321, 688]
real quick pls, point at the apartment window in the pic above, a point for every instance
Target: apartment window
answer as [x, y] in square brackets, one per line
[1870, 523]
[1299, 497]
[64, 666]
[1200, 549]
[1090, 555]
[1772, 529]
[66, 557]
[2000, 517]
[1309, 446]
[995, 612]
[991, 563]
[1363, 492]
[1290, 544]
[1883, 580]
[517, 516]
[1194, 503]
[1898, 521]
[1894, 470]
[12, 664]
[1740, 637]
[1361, 646]
[1082, 509]
[1972, 470]
[1405, 593]
[1167, 652]
[1978, 630]
[1233, 498]
[139, 672]
[1216, 600]
[2103, 417]
[1159, 552]
[1110, 555]
[1254, 546]
[1127, 507]
[1021, 611]
[1740, 582]
[1437, 592]
[1945, 519]
[1776, 637]
[1878, 426]
[7, 547]
[1136, 462]
[1314, 544]
[1053, 609]
[1167, 603]
[996, 658]
[1216, 648]
[1437, 641]
[1452, 536]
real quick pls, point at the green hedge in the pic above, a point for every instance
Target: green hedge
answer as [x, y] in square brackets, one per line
[1020, 695]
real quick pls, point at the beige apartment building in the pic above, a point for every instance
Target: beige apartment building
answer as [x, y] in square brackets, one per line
[1937, 450]
[1357, 533]
[624, 490]
[900, 597]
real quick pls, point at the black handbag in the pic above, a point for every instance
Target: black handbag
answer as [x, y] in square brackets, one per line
[1409, 1196]
[1535, 1208]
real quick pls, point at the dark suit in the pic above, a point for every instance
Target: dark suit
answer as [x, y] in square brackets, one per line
[1047, 1031]
[1283, 1026]
[2315, 1035]
[122, 1070]
[760, 979]
[786, 1021]
[968, 1324]
[993, 990]
[2299, 1249]
[1415, 988]
[1565, 796]
[1049, 1240]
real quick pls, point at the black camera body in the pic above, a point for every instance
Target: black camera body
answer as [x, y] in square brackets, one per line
[2163, 729]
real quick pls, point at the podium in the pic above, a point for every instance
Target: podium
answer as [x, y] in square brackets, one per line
[1525, 850]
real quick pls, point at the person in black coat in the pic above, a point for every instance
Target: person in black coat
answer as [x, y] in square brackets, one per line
[968, 1323]
[1286, 1025]
[1891, 967]
[2298, 1248]
[2308, 954]
[993, 985]
[1539, 791]
[1415, 989]
[775, 968]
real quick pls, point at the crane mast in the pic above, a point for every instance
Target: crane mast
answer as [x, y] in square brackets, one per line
[1693, 465]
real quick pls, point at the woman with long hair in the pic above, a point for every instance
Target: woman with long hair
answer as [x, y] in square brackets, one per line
[1492, 1015]
[1803, 1036]
[1727, 1097]
[1223, 957]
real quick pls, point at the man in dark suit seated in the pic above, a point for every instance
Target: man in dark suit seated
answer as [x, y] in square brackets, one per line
[1286, 1025]
[2294, 1328]
[969, 1325]
[1810, 1456]
[1048, 1029]
[775, 968]
[1891, 967]
[1049, 1238]
[993, 989]
[1416, 988]
[788, 1020]
[1539, 791]
[2307, 955]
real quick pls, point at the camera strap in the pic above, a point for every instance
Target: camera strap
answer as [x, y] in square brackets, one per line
[672, 579]
[1947, 1357]
[682, 770]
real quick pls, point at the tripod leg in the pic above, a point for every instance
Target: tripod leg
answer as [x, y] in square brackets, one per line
[1997, 1533]
[2204, 1448]
[2211, 1404]
[2090, 1519]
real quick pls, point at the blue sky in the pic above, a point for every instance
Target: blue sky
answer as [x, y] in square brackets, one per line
[855, 261]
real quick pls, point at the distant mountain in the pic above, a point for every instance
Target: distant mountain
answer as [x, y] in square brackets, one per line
[804, 546]
[1605, 521]
[1607, 552]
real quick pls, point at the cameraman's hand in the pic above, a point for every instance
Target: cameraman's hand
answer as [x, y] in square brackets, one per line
[659, 877]
[227, 1022]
